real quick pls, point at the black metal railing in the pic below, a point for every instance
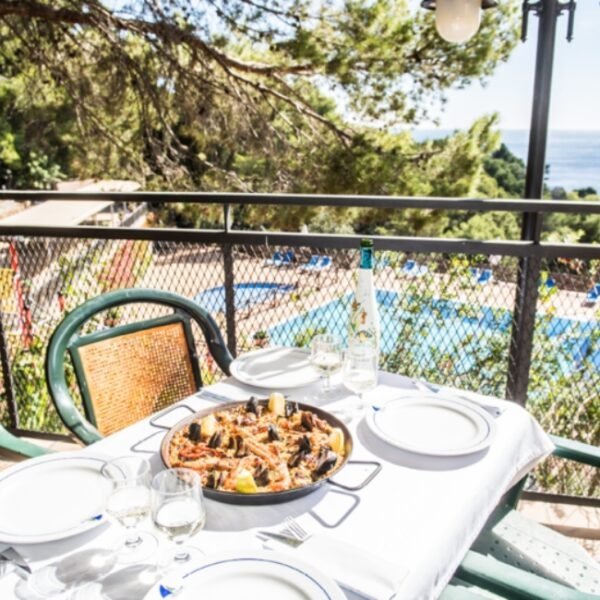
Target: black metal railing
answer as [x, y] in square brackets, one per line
[445, 323]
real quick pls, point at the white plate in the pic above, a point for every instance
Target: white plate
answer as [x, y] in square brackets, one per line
[275, 368]
[428, 424]
[51, 497]
[256, 574]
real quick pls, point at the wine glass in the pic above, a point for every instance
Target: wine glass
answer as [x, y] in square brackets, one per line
[178, 508]
[129, 504]
[326, 357]
[360, 371]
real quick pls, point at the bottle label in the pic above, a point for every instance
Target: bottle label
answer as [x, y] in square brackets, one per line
[364, 316]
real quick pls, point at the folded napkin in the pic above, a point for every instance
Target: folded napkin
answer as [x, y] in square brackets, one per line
[353, 568]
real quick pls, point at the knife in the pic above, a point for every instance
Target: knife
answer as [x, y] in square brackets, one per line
[280, 537]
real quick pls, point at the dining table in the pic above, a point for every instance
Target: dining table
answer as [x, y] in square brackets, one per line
[418, 512]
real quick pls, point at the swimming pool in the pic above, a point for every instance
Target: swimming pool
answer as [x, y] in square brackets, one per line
[244, 295]
[443, 327]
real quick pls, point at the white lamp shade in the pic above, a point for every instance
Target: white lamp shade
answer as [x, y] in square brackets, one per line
[457, 20]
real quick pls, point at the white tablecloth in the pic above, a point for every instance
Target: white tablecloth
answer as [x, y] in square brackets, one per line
[422, 513]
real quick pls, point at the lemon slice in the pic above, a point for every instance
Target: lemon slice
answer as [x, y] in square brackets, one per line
[277, 404]
[245, 483]
[208, 426]
[336, 440]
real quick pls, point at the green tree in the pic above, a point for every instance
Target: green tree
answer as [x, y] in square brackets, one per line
[206, 94]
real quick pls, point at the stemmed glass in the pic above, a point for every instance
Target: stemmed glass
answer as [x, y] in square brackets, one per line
[178, 508]
[326, 357]
[129, 504]
[360, 371]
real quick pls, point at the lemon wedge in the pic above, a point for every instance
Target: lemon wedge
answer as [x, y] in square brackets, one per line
[208, 426]
[336, 440]
[277, 404]
[245, 483]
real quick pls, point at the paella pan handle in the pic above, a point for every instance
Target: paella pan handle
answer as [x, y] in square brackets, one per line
[354, 488]
[160, 415]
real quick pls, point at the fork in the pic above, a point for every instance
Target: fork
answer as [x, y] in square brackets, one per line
[292, 533]
[296, 529]
[9, 556]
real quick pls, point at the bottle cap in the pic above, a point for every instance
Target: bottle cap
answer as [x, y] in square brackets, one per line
[366, 243]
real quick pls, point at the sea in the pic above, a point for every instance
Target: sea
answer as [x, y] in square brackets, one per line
[573, 157]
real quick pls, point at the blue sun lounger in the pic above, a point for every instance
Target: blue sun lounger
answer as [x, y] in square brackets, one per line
[324, 263]
[485, 277]
[409, 266]
[275, 260]
[281, 259]
[311, 264]
[593, 295]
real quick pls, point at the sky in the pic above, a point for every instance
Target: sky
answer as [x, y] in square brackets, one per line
[575, 101]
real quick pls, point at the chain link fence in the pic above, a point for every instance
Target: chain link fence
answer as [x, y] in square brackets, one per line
[445, 318]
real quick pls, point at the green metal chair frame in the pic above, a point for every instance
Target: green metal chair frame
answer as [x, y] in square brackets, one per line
[511, 582]
[11, 442]
[67, 337]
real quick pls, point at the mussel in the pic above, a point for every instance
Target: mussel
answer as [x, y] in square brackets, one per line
[307, 421]
[291, 408]
[214, 479]
[194, 432]
[237, 444]
[326, 461]
[304, 444]
[273, 433]
[261, 475]
[303, 449]
[215, 440]
[252, 405]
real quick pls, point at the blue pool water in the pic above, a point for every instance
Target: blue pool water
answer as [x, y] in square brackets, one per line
[444, 327]
[244, 295]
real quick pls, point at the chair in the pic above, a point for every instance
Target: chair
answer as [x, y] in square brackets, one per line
[529, 555]
[11, 442]
[129, 371]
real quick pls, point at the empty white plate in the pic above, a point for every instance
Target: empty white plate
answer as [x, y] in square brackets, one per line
[253, 574]
[275, 368]
[51, 497]
[432, 425]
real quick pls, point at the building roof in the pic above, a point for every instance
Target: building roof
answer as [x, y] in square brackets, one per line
[64, 213]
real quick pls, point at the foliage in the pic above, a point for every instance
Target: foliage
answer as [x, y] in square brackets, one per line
[508, 171]
[303, 338]
[563, 386]
[225, 93]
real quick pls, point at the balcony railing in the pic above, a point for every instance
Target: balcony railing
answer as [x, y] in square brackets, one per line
[505, 318]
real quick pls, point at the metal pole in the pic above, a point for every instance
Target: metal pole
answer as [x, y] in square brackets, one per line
[523, 325]
[229, 283]
[9, 390]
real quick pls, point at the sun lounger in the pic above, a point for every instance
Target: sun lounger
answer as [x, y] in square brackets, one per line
[276, 260]
[311, 265]
[485, 277]
[416, 271]
[409, 266]
[324, 263]
[288, 259]
[593, 295]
